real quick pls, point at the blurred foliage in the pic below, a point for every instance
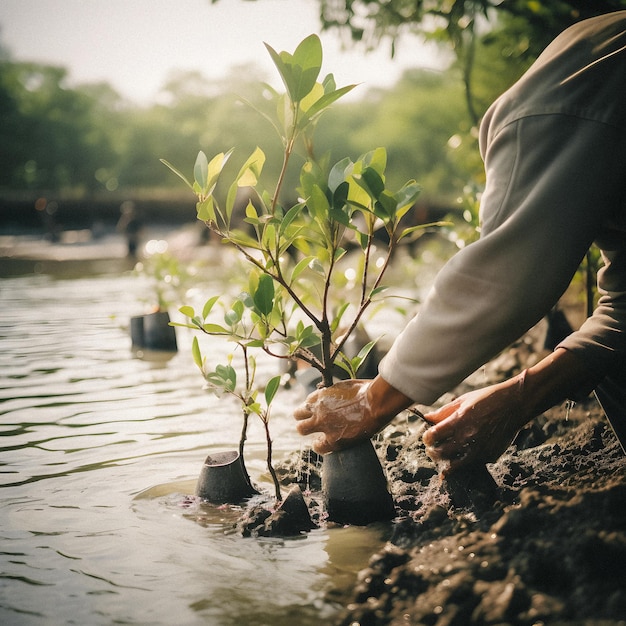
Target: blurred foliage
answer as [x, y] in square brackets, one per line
[459, 25]
[52, 137]
[87, 138]
[370, 20]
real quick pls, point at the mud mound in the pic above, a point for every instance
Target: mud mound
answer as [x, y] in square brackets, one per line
[550, 548]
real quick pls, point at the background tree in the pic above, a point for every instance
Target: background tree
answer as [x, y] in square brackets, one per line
[53, 137]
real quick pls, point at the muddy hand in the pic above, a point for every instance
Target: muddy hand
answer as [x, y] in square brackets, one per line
[341, 414]
[476, 427]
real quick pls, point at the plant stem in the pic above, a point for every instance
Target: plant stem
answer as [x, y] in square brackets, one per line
[270, 467]
[289, 143]
[242, 440]
[246, 415]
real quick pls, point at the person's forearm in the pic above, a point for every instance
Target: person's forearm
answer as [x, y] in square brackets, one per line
[555, 378]
[385, 401]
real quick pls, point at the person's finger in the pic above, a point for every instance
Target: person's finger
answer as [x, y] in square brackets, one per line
[434, 417]
[322, 446]
[451, 457]
[303, 412]
[454, 465]
[307, 426]
[448, 429]
[441, 432]
[445, 450]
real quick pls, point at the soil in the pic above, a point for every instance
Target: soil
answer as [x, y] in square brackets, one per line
[547, 546]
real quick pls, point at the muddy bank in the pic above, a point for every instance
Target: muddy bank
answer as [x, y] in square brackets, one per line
[549, 548]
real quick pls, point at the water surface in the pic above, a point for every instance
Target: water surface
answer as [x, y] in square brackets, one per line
[100, 449]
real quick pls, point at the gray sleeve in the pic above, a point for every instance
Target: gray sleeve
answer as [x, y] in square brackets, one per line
[601, 340]
[552, 181]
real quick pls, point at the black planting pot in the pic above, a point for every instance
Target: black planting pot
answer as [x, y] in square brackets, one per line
[223, 479]
[354, 486]
[153, 332]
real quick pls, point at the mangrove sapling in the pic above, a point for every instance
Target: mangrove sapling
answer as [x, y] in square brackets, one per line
[167, 275]
[223, 379]
[297, 306]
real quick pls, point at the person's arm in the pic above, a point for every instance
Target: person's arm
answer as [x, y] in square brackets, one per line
[348, 412]
[480, 425]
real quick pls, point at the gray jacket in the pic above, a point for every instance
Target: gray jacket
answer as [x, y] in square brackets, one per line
[554, 147]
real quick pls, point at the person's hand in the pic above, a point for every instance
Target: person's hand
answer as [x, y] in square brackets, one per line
[341, 413]
[476, 427]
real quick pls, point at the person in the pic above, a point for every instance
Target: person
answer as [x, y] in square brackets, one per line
[130, 225]
[554, 149]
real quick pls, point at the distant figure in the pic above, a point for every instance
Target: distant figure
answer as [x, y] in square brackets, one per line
[130, 224]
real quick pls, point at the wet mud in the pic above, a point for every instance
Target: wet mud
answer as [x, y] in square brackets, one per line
[547, 546]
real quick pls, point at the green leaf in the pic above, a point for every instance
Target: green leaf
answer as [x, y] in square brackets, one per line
[329, 83]
[337, 318]
[293, 213]
[300, 267]
[206, 210]
[177, 172]
[243, 239]
[386, 206]
[208, 305]
[264, 295]
[187, 311]
[235, 314]
[316, 93]
[358, 360]
[252, 217]
[195, 352]
[299, 71]
[345, 364]
[307, 57]
[363, 239]
[339, 172]
[319, 106]
[215, 329]
[339, 254]
[406, 197]
[215, 167]
[268, 239]
[248, 176]
[251, 170]
[255, 343]
[373, 181]
[339, 216]
[376, 159]
[422, 228]
[228, 375]
[181, 325]
[311, 340]
[254, 408]
[375, 292]
[201, 171]
[317, 266]
[340, 196]
[271, 388]
[318, 204]
[283, 62]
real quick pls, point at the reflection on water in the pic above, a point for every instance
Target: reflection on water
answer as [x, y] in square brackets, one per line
[99, 450]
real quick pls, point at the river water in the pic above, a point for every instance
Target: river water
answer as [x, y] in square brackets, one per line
[100, 449]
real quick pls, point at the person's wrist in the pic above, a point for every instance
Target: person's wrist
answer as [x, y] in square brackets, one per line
[523, 400]
[384, 402]
[553, 379]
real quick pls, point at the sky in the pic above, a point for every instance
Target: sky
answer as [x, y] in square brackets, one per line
[134, 45]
